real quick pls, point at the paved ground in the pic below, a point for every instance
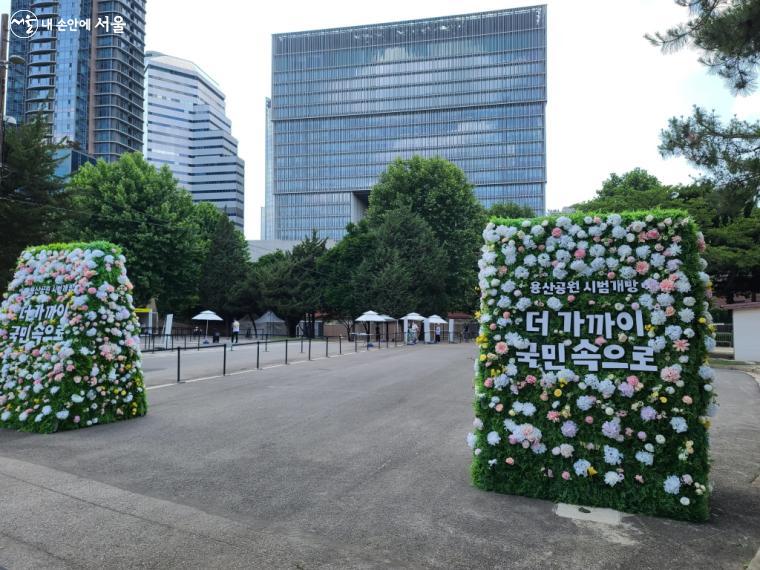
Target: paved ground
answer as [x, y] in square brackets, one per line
[356, 461]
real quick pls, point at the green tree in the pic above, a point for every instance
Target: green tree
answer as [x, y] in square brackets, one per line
[289, 283]
[633, 190]
[225, 267]
[403, 271]
[440, 194]
[509, 210]
[32, 198]
[130, 203]
[728, 155]
[727, 32]
[343, 300]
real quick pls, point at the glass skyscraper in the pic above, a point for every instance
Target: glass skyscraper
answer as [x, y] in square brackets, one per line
[348, 101]
[186, 128]
[83, 73]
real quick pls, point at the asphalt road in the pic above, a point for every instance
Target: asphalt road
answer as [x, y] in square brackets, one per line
[357, 461]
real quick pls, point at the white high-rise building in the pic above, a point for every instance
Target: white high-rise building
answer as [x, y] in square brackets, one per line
[186, 128]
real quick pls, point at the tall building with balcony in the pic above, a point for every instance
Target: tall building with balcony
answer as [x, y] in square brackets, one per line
[347, 101]
[83, 73]
[186, 129]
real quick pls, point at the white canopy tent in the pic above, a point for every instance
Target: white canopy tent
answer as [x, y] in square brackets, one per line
[370, 317]
[411, 317]
[389, 319]
[207, 316]
[432, 320]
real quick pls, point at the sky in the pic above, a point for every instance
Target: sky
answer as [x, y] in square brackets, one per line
[609, 91]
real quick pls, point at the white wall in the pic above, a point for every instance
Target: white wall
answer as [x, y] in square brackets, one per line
[747, 334]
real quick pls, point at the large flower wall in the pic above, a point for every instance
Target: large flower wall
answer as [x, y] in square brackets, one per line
[592, 385]
[69, 340]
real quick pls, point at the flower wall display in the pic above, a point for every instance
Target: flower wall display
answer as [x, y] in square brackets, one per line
[592, 385]
[69, 340]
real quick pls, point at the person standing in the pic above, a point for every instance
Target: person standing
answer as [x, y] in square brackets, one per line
[437, 334]
[416, 333]
[235, 331]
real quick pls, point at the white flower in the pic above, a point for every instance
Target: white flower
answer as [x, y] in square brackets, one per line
[685, 501]
[553, 303]
[493, 438]
[5, 415]
[612, 478]
[686, 315]
[46, 410]
[471, 440]
[62, 415]
[659, 439]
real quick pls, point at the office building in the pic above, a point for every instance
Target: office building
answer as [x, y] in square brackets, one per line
[346, 102]
[186, 128]
[83, 72]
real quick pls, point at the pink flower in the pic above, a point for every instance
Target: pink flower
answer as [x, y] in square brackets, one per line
[570, 298]
[541, 247]
[76, 419]
[488, 383]
[653, 234]
[501, 347]
[611, 275]
[670, 311]
[592, 302]
[642, 436]
[687, 400]
[544, 396]
[635, 306]
[600, 340]
[580, 253]
[667, 286]
[492, 326]
[509, 461]
[92, 290]
[521, 249]
[638, 478]
[642, 267]
[506, 314]
[670, 374]
[632, 380]
[681, 345]
[530, 379]
[589, 420]
[556, 232]
[566, 475]
[499, 407]
[552, 416]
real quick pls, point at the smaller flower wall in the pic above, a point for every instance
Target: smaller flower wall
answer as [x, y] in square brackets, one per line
[592, 385]
[69, 340]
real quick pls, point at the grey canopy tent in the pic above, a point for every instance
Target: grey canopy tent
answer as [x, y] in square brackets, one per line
[272, 325]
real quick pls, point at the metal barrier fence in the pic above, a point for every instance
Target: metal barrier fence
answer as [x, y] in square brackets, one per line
[254, 355]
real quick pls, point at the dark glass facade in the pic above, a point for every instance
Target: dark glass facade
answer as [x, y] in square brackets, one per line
[85, 80]
[346, 102]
